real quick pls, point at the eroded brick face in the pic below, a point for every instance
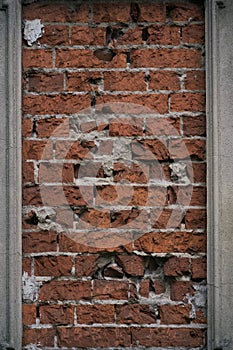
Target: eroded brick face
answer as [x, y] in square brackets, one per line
[114, 164]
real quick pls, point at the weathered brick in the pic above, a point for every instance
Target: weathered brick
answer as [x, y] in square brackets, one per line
[56, 314]
[27, 265]
[89, 314]
[166, 218]
[187, 148]
[163, 35]
[180, 290]
[39, 336]
[37, 150]
[124, 81]
[152, 12]
[197, 171]
[31, 195]
[177, 267]
[28, 171]
[43, 241]
[187, 195]
[194, 126]
[87, 36]
[135, 313]
[183, 242]
[65, 290]
[53, 266]
[46, 82]
[162, 58]
[82, 81]
[177, 314]
[163, 126]
[199, 268]
[49, 12]
[84, 58]
[110, 290]
[37, 58]
[164, 80]
[29, 314]
[52, 127]
[193, 34]
[131, 264]
[126, 126]
[73, 149]
[86, 265]
[55, 104]
[27, 127]
[93, 337]
[195, 218]
[55, 35]
[159, 286]
[183, 102]
[149, 149]
[56, 172]
[185, 12]
[195, 80]
[144, 288]
[109, 12]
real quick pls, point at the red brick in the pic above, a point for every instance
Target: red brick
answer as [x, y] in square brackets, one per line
[187, 195]
[93, 337]
[193, 34]
[39, 336]
[197, 171]
[126, 127]
[181, 289]
[133, 174]
[163, 58]
[93, 217]
[66, 195]
[195, 80]
[131, 264]
[109, 12]
[55, 104]
[56, 172]
[30, 220]
[195, 218]
[176, 267]
[194, 126]
[186, 11]
[73, 149]
[27, 127]
[53, 266]
[199, 268]
[152, 12]
[65, 290]
[174, 314]
[31, 196]
[159, 287]
[37, 150]
[164, 80]
[133, 218]
[83, 58]
[166, 218]
[89, 314]
[27, 265]
[29, 314]
[86, 265]
[183, 242]
[182, 102]
[138, 104]
[56, 314]
[55, 35]
[163, 126]
[163, 35]
[131, 36]
[37, 58]
[57, 12]
[88, 36]
[110, 290]
[82, 81]
[43, 241]
[46, 82]
[28, 172]
[164, 337]
[124, 81]
[144, 288]
[200, 317]
[151, 149]
[135, 313]
[187, 148]
[55, 127]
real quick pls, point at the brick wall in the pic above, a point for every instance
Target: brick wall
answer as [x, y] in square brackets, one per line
[114, 194]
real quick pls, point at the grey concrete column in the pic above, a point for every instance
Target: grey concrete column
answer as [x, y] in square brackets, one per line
[219, 47]
[10, 174]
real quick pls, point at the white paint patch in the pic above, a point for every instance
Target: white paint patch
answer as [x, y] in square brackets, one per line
[30, 288]
[33, 30]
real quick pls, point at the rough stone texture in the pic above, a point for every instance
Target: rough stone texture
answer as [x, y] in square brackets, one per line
[114, 176]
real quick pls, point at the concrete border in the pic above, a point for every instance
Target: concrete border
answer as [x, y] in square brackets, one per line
[10, 174]
[219, 72]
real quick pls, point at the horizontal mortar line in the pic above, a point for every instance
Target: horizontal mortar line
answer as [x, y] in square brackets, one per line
[112, 93]
[126, 69]
[118, 137]
[114, 325]
[92, 24]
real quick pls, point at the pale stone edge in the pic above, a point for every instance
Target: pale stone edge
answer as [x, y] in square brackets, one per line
[13, 153]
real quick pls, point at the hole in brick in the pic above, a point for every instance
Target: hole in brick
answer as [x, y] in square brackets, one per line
[151, 286]
[37, 312]
[76, 170]
[105, 54]
[134, 11]
[32, 218]
[127, 57]
[93, 100]
[147, 78]
[34, 126]
[145, 34]
[108, 35]
[93, 81]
